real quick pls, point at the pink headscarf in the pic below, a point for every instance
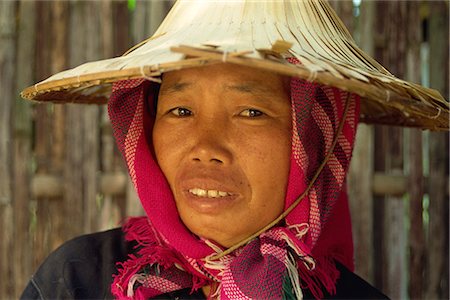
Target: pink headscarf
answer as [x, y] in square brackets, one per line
[297, 254]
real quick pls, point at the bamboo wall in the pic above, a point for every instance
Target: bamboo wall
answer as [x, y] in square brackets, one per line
[61, 175]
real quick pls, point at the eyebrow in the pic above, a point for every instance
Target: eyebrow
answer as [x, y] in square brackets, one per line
[176, 87]
[249, 87]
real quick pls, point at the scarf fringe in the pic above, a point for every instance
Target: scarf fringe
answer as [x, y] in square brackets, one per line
[151, 253]
[324, 275]
[138, 229]
[294, 277]
[315, 274]
[302, 270]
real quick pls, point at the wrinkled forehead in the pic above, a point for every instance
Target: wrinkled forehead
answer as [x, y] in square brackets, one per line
[226, 76]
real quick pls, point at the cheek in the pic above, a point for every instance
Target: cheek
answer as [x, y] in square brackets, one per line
[265, 158]
[268, 146]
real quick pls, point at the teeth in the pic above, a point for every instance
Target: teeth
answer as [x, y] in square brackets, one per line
[208, 193]
[213, 193]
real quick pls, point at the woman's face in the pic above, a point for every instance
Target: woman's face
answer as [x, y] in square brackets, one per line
[222, 138]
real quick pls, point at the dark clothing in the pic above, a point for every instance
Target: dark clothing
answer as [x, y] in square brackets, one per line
[82, 269]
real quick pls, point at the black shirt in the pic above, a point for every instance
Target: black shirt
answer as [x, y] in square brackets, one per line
[82, 269]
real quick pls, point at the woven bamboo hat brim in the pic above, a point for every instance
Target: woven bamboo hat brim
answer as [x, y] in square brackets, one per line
[260, 34]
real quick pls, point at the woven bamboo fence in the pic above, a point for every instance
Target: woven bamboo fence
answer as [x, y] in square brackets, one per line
[61, 175]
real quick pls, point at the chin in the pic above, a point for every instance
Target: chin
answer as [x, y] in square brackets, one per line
[215, 231]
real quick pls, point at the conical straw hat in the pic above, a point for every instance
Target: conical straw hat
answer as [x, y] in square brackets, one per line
[260, 34]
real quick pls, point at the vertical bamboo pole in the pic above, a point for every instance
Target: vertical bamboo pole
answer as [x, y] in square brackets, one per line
[58, 62]
[380, 148]
[7, 59]
[361, 170]
[140, 21]
[437, 239]
[437, 252]
[90, 115]
[110, 214]
[122, 37]
[57, 50]
[416, 233]
[23, 268]
[73, 163]
[42, 136]
[378, 210]
[394, 283]
[82, 132]
[392, 22]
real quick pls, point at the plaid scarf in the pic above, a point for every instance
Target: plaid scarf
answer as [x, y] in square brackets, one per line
[297, 254]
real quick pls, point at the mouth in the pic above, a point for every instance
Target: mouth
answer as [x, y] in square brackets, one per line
[206, 201]
[208, 193]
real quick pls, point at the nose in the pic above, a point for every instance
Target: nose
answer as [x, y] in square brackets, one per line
[210, 143]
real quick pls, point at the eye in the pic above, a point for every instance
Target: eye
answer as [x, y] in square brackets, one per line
[181, 112]
[251, 113]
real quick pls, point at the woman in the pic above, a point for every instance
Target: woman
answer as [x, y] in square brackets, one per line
[238, 161]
